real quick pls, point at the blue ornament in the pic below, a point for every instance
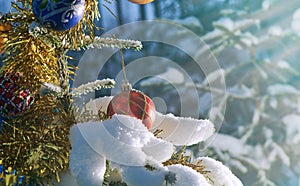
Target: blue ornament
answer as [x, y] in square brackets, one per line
[58, 15]
[21, 179]
[1, 170]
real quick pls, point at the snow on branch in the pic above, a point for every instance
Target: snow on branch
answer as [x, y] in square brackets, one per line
[92, 86]
[100, 42]
[49, 88]
[220, 174]
[183, 131]
[39, 32]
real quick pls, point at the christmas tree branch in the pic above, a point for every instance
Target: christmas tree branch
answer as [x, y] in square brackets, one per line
[42, 33]
[100, 42]
[63, 71]
[92, 86]
[15, 17]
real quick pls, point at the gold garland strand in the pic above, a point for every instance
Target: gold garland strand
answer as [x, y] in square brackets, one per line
[36, 143]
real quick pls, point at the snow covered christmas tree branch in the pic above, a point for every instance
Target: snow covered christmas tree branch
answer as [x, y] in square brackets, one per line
[92, 86]
[42, 33]
[100, 42]
[49, 88]
[139, 157]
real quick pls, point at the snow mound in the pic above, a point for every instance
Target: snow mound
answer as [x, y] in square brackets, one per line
[183, 131]
[124, 140]
[219, 173]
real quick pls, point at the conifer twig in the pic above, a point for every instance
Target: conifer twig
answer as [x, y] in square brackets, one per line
[92, 86]
[100, 42]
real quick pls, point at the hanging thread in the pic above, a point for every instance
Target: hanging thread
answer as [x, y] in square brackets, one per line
[126, 86]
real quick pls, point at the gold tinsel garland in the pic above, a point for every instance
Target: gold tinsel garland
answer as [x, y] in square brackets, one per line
[36, 143]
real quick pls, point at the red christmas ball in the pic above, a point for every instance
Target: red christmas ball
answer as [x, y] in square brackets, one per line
[12, 99]
[133, 103]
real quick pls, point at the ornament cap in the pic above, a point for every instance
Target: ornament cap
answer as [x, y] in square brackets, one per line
[126, 86]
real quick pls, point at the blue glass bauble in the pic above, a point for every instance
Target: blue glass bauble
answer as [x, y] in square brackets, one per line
[58, 15]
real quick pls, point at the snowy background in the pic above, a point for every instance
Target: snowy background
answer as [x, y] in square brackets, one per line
[256, 44]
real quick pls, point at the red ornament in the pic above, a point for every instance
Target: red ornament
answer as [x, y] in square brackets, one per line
[12, 99]
[133, 103]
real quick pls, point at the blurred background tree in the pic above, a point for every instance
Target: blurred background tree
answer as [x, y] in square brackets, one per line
[255, 42]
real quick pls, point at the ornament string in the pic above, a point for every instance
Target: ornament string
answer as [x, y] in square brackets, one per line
[123, 65]
[126, 86]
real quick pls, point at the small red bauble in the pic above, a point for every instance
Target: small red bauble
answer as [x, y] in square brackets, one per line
[133, 103]
[12, 100]
[141, 1]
